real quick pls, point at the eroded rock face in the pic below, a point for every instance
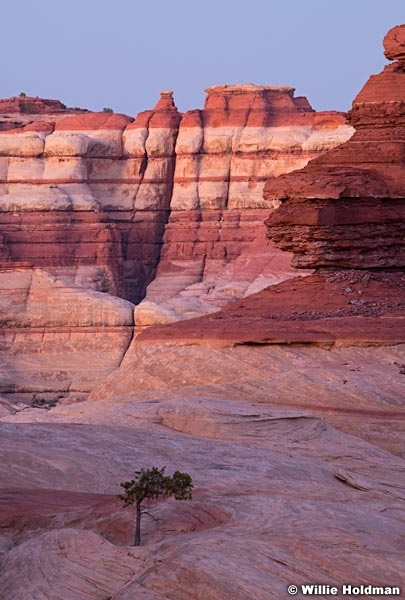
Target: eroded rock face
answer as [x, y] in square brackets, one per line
[89, 189]
[31, 106]
[214, 250]
[294, 446]
[84, 199]
[347, 208]
[95, 189]
[394, 43]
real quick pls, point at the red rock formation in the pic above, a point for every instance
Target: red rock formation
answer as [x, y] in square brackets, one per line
[394, 43]
[96, 188]
[31, 105]
[83, 203]
[347, 208]
[348, 306]
[90, 190]
[214, 248]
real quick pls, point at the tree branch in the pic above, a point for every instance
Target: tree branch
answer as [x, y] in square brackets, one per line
[145, 512]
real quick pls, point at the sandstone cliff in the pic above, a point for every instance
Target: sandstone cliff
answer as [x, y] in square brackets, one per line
[89, 190]
[346, 208]
[95, 189]
[214, 249]
[85, 200]
[344, 215]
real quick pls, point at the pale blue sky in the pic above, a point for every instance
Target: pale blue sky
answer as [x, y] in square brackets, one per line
[99, 53]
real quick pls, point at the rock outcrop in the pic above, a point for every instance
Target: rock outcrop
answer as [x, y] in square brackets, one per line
[344, 215]
[84, 199]
[214, 248]
[84, 203]
[58, 338]
[89, 190]
[28, 105]
[95, 189]
[346, 209]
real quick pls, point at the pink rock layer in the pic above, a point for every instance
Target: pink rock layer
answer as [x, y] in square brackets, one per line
[86, 190]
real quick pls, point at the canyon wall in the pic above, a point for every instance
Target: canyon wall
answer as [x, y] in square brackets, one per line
[87, 196]
[90, 202]
[84, 199]
[214, 248]
[343, 215]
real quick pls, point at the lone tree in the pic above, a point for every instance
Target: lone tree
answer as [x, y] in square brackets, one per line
[152, 484]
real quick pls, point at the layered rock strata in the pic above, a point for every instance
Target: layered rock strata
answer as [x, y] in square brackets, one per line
[280, 496]
[214, 248]
[96, 188]
[91, 189]
[344, 215]
[84, 199]
[347, 208]
[58, 339]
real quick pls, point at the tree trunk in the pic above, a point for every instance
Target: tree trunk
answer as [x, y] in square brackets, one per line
[138, 524]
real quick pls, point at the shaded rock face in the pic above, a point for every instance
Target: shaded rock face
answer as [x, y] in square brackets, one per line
[347, 208]
[214, 248]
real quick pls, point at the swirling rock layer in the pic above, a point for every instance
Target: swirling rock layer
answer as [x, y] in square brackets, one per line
[279, 496]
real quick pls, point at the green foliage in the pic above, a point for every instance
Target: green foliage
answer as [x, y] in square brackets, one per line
[151, 485]
[180, 485]
[22, 95]
[108, 110]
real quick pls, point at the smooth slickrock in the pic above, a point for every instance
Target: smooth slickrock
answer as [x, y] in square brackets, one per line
[352, 387]
[214, 248]
[279, 495]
